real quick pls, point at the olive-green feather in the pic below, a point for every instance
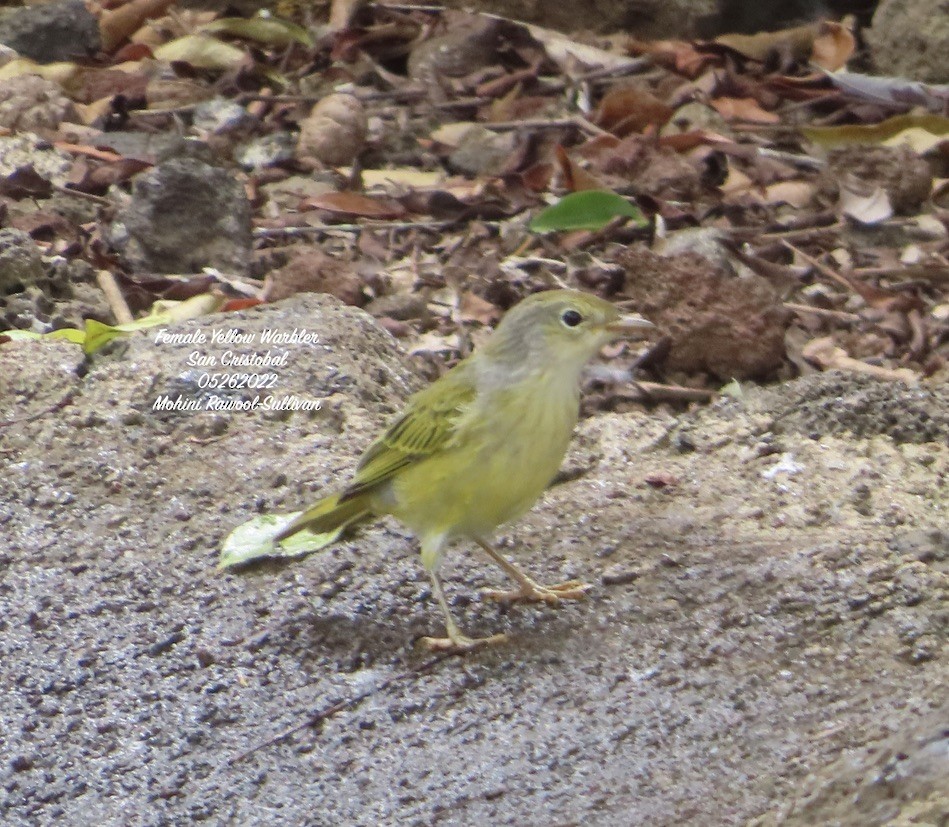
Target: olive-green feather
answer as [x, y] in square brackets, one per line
[427, 425]
[328, 514]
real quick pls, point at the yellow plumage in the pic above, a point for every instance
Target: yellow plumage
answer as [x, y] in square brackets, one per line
[478, 447]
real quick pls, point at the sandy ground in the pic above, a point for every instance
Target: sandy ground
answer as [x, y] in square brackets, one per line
[765, 642]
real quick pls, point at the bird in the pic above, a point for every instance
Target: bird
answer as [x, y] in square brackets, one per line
[476, 449]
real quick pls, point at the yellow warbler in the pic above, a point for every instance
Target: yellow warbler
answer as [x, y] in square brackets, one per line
[478, 447]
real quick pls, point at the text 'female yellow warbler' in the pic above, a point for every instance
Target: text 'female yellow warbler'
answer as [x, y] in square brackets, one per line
[479, 446]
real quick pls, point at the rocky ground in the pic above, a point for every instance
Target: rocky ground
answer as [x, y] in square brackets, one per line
[765, 643]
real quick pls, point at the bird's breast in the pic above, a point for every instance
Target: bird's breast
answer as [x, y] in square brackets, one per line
[508, 447]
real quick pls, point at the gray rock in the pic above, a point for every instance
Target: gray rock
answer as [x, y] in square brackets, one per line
[51, 32]
[837, 402]
[186, 215]
[910, 38]
[29, 102]
[147, 146]
[483, 152]
[20, 262]
[26, 149]
[219, 115]
[266, 151]
[57, 294]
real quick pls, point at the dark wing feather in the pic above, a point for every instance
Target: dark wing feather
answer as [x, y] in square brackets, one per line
[427, 425]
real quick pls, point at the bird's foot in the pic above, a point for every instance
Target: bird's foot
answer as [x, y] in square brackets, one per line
[535, 593]
[458, 644]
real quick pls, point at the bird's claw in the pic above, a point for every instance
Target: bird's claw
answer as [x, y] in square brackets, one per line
[534, 593]
[459, 644]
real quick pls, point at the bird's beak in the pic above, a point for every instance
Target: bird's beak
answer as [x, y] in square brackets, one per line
[629, 325]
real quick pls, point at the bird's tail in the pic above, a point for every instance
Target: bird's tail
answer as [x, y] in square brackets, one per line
[330, 513]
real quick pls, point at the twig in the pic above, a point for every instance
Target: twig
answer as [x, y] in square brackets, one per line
[269, 232]
[926, 273]
[113, 295]
[316, 718]
[805, 161]
[88, 196]
[589, 126]
[184, 109]
[835, 315]
[802, 232]
[407, 7]
[831, 97]
[657, 392]
[577, 121]
[462, 103]
[821, 268]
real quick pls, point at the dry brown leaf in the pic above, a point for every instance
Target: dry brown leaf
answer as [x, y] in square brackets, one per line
[401, 177]
[503, 108]
[89, 113]
[118, 24]
[627, 109]
[799, 42]
[172, 93]
[678, 55]
[737, 181]
[575, 177]
[684, 141]
[310, 270]
[746, 109]
[98, 178]
[833, 46]
[342, 14]
[355, 204]
[796, 193]
[202, 52]
[472, 308]
[824, 353]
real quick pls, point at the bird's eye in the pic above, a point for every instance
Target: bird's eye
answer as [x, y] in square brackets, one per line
[571, 318]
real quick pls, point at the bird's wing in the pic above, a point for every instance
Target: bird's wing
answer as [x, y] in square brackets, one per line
[426, 425]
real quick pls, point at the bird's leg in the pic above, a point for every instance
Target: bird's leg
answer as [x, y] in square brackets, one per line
[529, 590]
[455, 641]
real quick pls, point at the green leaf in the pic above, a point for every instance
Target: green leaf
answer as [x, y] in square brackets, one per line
[923, 132]
[70, 334]
[201, 51]
[254, 540]
[733, 389]
[97, 335]
[162, 312]
[271, 31]
[585, 210]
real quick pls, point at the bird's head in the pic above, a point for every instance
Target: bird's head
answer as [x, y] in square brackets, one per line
[559, 328]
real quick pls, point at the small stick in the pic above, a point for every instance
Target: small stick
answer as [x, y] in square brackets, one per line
[96, 199]
[268, 232]
[539, 123]
[792, 158]
[114, 296]
[801, 232]
[821, 268]
[835, 315]
[655, 391]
